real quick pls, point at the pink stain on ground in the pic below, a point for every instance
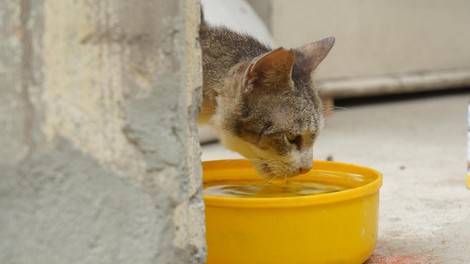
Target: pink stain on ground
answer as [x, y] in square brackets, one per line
[414, 258]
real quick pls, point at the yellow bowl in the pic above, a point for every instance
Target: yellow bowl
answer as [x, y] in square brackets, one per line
[339, 227]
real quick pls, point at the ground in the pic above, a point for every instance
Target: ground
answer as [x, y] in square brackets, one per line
[419, 144]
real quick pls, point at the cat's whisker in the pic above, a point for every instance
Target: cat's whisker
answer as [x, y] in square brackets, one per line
[272, 170]
[270, 181]
[334, 107]
[342, 108]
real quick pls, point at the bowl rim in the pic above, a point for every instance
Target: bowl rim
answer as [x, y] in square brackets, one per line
[367, 189]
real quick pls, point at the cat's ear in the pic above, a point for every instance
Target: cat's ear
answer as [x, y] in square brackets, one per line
[310, 55]
[272, 69]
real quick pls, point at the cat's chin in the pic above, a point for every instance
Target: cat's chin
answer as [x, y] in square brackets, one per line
[266, 165]
[268, 172]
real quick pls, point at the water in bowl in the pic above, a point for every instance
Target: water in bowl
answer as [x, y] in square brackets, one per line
[271, 189]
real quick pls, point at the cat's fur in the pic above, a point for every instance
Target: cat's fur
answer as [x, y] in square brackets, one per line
[261, 101]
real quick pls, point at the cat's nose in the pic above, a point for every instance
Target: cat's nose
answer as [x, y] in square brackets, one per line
[304, 169]
[305, 165]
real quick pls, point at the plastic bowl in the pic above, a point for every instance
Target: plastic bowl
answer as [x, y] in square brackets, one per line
[338, 227]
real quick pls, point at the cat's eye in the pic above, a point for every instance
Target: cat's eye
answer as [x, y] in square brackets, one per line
[294, 139]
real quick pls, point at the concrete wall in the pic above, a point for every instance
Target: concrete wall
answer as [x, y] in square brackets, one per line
[99, 160]
[381, 46]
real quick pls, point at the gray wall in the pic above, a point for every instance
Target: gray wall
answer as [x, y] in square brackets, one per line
[99, 161]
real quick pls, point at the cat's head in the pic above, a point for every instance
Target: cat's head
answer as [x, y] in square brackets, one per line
[273, 113]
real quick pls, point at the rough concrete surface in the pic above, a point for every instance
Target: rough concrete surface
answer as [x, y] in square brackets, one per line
[420, 147]
[55, 210]
[99, 163]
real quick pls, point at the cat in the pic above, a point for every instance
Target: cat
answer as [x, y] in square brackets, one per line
[262, 101]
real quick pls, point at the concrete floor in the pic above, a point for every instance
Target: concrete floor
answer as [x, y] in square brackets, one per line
[419, 144]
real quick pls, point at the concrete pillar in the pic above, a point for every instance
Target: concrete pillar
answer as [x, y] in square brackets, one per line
[99, 155]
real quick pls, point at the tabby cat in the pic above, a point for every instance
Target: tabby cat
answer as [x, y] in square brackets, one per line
[261, 101]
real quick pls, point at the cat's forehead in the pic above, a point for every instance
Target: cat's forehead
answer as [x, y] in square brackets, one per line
[297, 109]
[292, 113]
[296, 112]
